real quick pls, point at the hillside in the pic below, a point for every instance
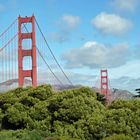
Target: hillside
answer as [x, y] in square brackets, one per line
[118, 93]
[11, 84]
[121, 94]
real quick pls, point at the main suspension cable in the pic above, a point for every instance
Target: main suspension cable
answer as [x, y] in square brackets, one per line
[8, 28]
[53, 53]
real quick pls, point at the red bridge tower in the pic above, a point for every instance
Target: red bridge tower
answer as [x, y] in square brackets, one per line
[30, 52]
[104, 83]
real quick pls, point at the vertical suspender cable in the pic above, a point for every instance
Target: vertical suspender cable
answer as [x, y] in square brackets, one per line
[49, 67]
[2, 65]
[52, 53]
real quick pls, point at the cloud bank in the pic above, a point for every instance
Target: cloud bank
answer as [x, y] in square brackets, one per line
[125, 5]
[96, 55]
[111, 24]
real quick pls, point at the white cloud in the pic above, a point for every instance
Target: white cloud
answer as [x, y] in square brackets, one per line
[65, 26]
[69, 21]
[111, 24]
[125, 5]
[95, 55]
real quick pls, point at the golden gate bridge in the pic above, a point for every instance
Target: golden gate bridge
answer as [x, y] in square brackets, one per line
[26, 57]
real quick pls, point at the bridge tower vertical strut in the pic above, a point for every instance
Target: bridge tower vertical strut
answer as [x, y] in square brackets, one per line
[104, 83]
[30, 52]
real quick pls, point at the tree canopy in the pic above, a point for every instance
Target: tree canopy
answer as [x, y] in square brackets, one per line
[46, 114]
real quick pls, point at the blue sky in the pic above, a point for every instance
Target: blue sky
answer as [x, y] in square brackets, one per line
[87, 35]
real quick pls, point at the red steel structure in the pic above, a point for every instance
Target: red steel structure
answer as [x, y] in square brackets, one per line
[30, 52]
[104, 83]
[27, 48]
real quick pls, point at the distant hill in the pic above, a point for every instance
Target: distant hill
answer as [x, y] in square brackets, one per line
[64, 87]
[11, 84]
[123, 94]
[116, 93]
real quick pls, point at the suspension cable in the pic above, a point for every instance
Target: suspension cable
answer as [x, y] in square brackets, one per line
[9, 42]
[8, 28]
[49, 67]
[53, 53]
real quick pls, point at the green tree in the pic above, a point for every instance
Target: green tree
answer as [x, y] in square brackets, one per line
[119, 137]
[72, 108]
[42, 112]
[101, 98]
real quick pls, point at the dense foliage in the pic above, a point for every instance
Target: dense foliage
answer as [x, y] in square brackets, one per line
[46, 114]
